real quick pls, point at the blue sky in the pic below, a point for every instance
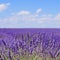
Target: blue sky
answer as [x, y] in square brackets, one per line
[29, 13]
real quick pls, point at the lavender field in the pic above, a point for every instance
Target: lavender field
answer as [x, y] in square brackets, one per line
[29, 44]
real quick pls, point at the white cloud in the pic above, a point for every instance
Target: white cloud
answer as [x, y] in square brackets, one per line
[23, 12]
[39, 10]
[28, 17]
[4, 6]
[45, 15]
[32, 17]
[57, 17]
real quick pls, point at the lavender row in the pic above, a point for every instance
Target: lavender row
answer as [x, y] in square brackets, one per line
[41, 43]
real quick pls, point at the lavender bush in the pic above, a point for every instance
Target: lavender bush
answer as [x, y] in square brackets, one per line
[29, 45]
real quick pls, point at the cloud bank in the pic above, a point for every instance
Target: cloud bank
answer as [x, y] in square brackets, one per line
[4, 6]
[29, 19]
[29, 16]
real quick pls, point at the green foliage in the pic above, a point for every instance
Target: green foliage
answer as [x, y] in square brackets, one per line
[58, 58]
[31, 57]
